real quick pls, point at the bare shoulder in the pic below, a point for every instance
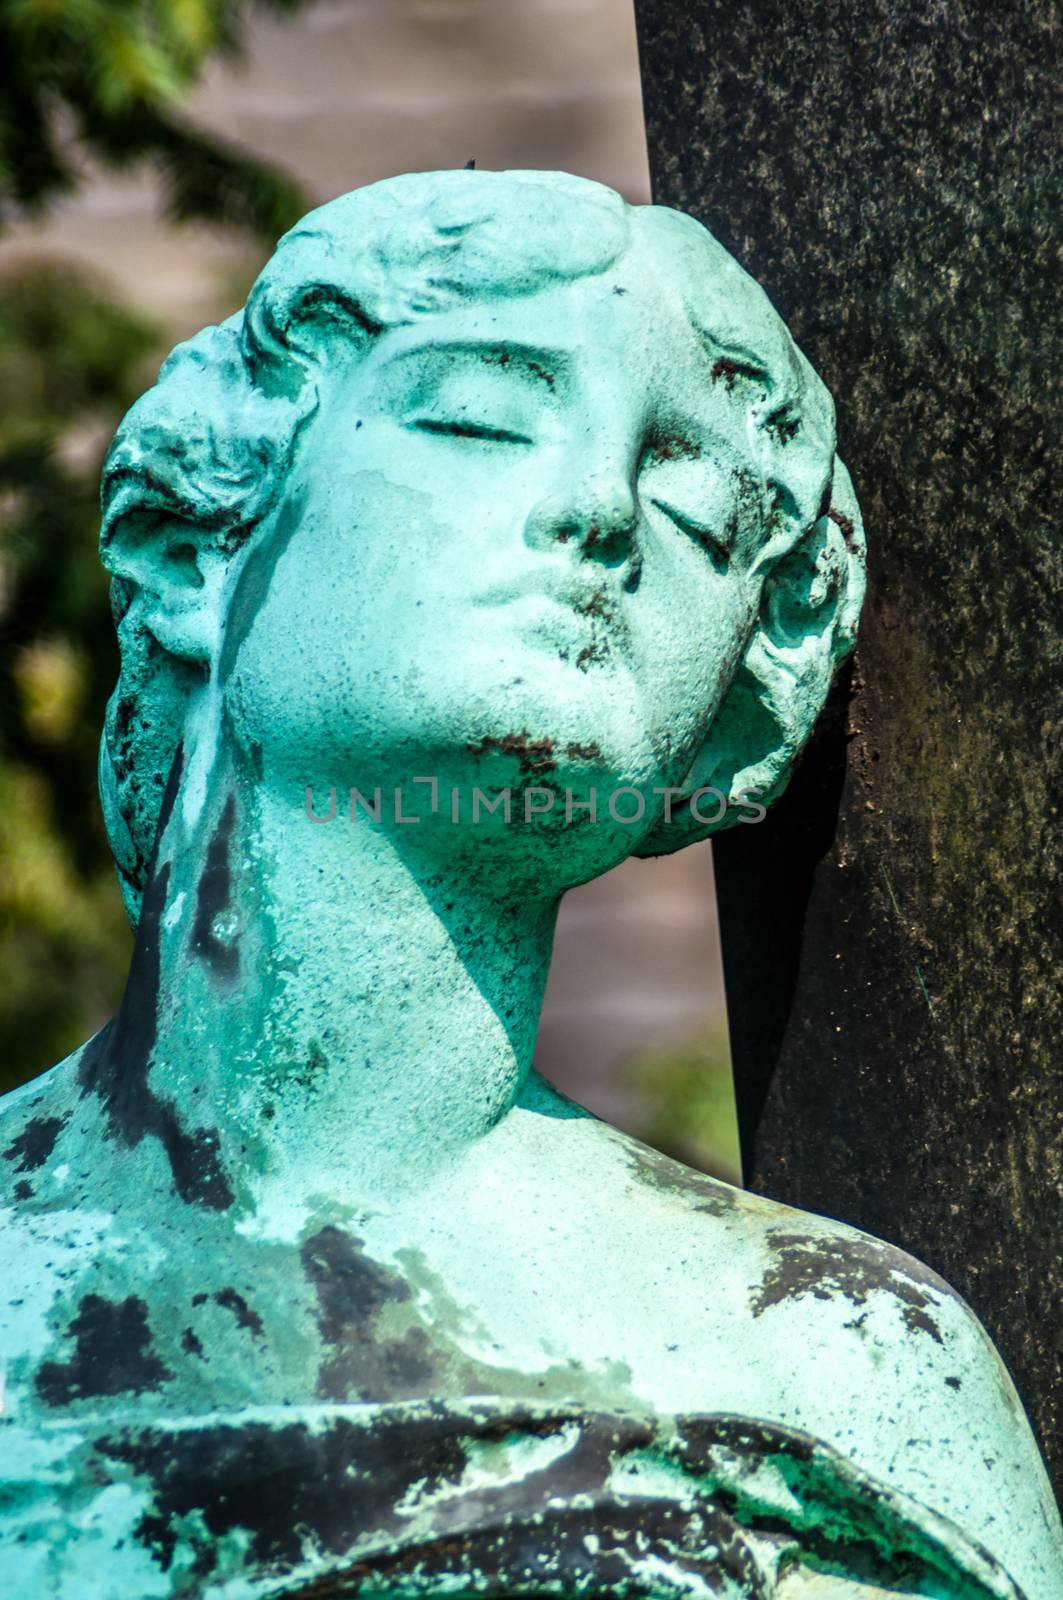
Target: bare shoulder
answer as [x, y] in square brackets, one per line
[805, 1321]
[35, 1127]
[871, 1350]
[65, 1252]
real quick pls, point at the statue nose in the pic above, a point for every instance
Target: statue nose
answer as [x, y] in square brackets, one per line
[598, 520]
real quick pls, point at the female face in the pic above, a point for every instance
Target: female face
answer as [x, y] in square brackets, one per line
[516, 547]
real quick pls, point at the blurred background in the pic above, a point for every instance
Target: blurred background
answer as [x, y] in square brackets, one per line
[151, 152]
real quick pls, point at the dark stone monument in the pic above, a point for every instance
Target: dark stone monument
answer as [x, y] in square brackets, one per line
[885, 171]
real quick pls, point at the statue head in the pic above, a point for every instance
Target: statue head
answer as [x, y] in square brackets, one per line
[496, 479]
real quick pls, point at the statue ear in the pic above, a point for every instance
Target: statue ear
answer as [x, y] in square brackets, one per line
[810, 607]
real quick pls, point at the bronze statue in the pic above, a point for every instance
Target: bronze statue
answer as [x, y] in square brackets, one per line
[499, 501]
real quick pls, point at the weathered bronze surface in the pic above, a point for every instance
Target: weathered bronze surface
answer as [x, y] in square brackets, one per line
[495, 487]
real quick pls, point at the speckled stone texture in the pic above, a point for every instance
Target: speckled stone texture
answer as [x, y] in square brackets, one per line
[884, 171]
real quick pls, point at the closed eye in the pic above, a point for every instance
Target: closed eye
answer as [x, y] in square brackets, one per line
[716, 544]
[469, 430]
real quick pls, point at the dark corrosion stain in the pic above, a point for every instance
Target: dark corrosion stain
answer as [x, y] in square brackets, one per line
[586, 1548]
[542, 372]
[23, 1189]
[673, 447]
[920, 1321]
[651, 1167]
[122, 744]
[731, 371]
[191, 1345]
[352, 1289]
[849, 1522]
[112, 1354]
[337, 1483]
[535, 755]
[782, 425]
[700, 1436]
[599, 605]
[852, 1268]
[35, 1143]
[278, 1484]
[115, 1067]
[846, 526]
[213, 895]
[286, 1488]
[123, 716]
[245, 1316]
[592, 653]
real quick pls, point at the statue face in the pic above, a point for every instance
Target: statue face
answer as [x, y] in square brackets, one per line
[517, 546]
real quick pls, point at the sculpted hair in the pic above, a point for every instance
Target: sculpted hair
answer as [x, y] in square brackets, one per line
[198, 464]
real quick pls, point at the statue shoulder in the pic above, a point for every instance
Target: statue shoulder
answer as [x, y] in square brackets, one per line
[33, 1121]
[60, 1239]
[894, 1368]
[813, 1324]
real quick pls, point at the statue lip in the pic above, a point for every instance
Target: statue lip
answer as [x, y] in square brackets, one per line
[557, 587]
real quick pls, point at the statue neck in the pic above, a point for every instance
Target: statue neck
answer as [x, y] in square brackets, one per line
[347, 1016]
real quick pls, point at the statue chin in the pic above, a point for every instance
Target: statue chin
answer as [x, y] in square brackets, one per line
[311, 1285]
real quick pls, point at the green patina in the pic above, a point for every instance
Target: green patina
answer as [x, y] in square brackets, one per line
[311, 1286]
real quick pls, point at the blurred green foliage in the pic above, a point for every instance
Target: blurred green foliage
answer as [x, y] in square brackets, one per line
[687, 1095]
[103, 80]
[106, 79]
[70, 363]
